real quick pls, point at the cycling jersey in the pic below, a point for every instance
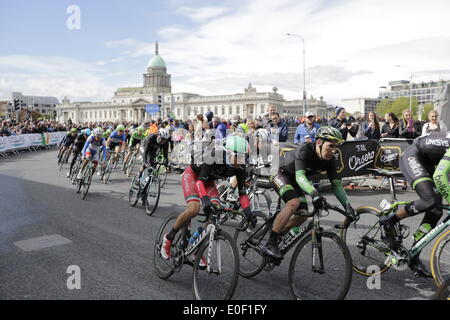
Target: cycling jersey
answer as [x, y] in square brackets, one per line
[116, 138]
[152, 147]
[93, 145]
[136, 138]
[300, 163]
[69, 140]
[80, 141]
[427, 157]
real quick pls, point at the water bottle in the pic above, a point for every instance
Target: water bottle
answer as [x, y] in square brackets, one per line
[196, 235]
[294, 231]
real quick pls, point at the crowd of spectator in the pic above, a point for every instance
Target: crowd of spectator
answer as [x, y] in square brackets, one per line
[11, 127]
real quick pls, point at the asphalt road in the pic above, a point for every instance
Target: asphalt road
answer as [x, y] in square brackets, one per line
[112, 243]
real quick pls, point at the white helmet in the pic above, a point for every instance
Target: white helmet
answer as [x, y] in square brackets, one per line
[98, 131]
[164, 133]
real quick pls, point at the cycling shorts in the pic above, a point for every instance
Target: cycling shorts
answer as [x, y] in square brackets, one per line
[287, 188]
[414, 168]
[135, 143]
[92, 155]
[189, 184]
[113, 145]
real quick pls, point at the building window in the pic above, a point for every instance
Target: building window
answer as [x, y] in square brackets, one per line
[230, 110]
[90, 114]
[223, 110]
[238, 110]
[262, 109]
[115, 114]
[178, 112]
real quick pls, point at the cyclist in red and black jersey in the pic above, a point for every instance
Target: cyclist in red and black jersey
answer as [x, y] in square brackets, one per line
[200, 190]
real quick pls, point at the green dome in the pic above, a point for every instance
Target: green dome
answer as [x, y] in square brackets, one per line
[156, 62]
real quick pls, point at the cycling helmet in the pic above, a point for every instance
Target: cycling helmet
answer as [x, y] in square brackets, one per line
[330, 134]
[74, 130]
[236, 144]
[87, 132]
[164, 133]
[140, 129]
[120, 127]
[109, 131]
[98, 131]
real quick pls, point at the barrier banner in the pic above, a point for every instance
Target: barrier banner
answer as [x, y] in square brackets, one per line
[390, 152]
[30, 140]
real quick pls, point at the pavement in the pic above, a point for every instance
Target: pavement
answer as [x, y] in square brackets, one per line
[111, 243]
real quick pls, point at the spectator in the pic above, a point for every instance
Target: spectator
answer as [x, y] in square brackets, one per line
[434, 125]
[344, 125]
[408, 127]
[390, 128]
[220, 127]
[306, 132]
[278, 127]
[267, 118]
[251, 126]
[371, 128]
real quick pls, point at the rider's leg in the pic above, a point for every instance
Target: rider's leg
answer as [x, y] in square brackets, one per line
[296, 220]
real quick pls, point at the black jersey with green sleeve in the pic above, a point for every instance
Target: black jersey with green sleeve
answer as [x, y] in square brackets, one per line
[303, 162]
[432, 147]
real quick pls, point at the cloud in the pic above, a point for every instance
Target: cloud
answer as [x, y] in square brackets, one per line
[202, 14]
[52, 76]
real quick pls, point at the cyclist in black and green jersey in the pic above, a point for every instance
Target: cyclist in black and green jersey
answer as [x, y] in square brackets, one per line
[425, 164]
[135, 141]
[291, 183]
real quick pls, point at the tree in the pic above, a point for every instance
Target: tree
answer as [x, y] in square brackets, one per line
[426, 109]
[396, 106]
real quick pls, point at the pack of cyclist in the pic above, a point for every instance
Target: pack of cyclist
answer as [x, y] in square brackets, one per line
[425, 165]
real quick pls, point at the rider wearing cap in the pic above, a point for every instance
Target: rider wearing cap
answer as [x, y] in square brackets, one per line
[291, 183]
[198, 182]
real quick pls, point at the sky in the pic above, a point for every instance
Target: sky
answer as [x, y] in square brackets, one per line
[352, 47]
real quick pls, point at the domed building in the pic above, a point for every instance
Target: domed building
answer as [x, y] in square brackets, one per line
[129, 104]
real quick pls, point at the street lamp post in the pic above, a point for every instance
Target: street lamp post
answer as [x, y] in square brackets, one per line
[410, 85]
[304, 73]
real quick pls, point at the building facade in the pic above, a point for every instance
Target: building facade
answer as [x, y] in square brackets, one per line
[128, 104]
[45, 106]
[360, 105]
[424, 92]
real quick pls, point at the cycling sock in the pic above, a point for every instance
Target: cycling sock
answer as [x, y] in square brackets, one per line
[171, 235]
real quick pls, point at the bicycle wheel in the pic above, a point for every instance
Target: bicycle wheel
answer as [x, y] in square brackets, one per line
[73, 176]
[133, 193]
[162, 175]
[363, 238]
[443, 292]
[251, 262]
[219, 283]
[440, 259]
[165, 268]
[86, 183]
[333, 282]
[62, 160]
[107, 172]
[131, 165]
[152, 193]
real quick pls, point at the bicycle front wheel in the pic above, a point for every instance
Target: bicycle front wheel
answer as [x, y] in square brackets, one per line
[152, 195]
[443, 292]
[165, 268]
[131, 165]
[217, 281]
[440, 259]
[133, 193]
[162, 175]
[363, 239]
[332, 281]
[86, 183]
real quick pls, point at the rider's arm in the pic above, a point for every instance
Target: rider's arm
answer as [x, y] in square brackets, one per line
[86, 145]
[147, 148]
[336, 184]
[166, 152]
[300, 172]
[205, 172]
[440, 176]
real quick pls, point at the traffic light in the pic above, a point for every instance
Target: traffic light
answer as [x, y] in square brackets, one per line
[159, 102]
[17, 104]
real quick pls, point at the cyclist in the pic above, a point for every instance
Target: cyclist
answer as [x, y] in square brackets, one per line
[116, 141]
[135, 141]
[153, 144]
[68, 141]
[78, 147]
[425, 164]
[198, 182]
[91, 150]
[291, 183]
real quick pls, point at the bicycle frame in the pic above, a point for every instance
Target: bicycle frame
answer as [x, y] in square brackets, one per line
[432, 234]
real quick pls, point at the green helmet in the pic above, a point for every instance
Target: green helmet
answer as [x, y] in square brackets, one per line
[120, 127]
[74, 130]
[140, 129]
[236, 144]
[330, 134]
[109, 131]
[244, 127]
